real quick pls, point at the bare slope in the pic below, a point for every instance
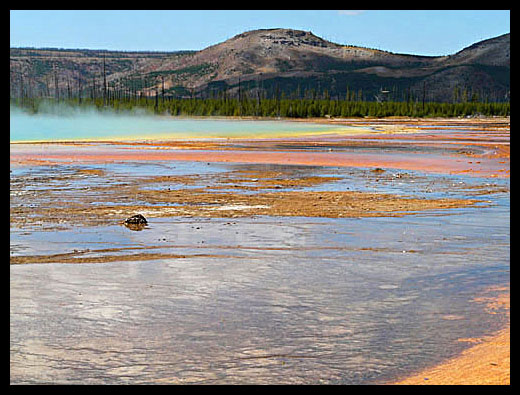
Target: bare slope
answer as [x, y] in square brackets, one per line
[270, 61]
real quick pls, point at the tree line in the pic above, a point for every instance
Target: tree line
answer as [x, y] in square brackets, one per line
[272, 107]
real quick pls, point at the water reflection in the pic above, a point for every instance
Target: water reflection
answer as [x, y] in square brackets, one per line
[296, 305]
[260, 300]
[134, 227]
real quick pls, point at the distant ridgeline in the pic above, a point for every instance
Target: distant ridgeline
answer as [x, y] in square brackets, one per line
[268, 72]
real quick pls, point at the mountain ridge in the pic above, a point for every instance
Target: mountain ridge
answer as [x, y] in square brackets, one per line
[269, 62]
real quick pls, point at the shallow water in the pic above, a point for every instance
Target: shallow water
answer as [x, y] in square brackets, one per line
[259, 299]
[91, 124]
[293, 304]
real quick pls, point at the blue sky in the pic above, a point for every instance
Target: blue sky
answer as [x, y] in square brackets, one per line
[420, 32]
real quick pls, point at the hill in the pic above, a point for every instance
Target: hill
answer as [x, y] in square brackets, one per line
[269, 62]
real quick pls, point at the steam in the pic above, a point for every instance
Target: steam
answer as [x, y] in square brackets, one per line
[64, 109]
[64, 122]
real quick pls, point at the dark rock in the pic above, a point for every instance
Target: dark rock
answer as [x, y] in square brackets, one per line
[136, 220]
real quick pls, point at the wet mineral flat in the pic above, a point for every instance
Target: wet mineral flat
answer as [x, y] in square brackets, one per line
[374, 274]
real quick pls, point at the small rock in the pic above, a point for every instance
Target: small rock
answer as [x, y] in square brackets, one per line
[135, 222]
[136, 219]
